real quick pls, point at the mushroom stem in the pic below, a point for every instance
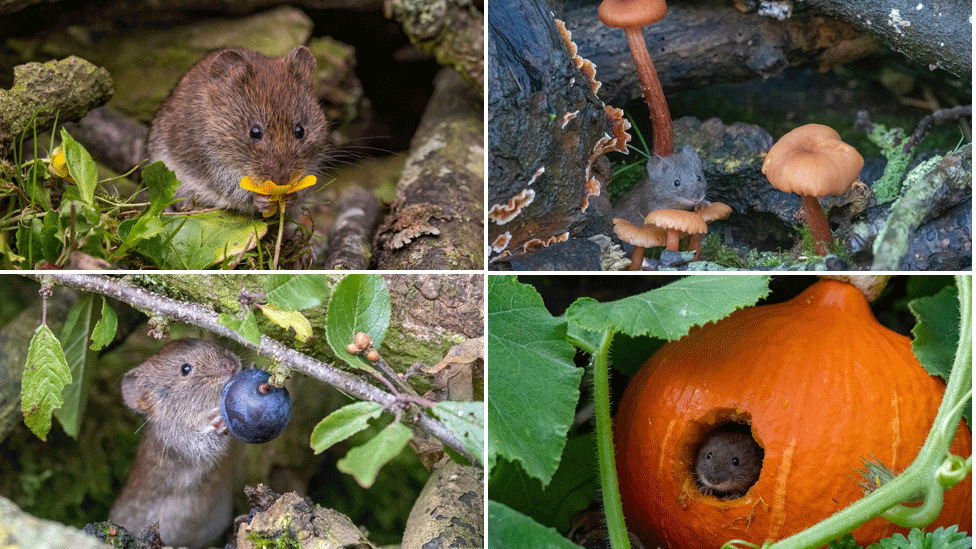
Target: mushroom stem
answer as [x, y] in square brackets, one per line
[695, 244]
[653, 93]
[636, 259]
[817, 221]
[674, 237]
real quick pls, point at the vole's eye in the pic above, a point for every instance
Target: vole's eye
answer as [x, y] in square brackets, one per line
[299, 131]
[699, 177]
[735, 461]
[708, 455]
[185, 369]
[256, 132]
[677, 182]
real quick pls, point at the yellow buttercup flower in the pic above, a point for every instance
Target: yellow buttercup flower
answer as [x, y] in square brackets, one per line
[275, 192]
[59, 165]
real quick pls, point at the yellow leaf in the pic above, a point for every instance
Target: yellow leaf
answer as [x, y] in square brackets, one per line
[289, 319]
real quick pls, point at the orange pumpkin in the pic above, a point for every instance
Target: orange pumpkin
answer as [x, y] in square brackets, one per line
[820, 382]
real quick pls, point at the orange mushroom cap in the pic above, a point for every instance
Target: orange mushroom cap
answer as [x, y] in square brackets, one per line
[631, 13]
[812, 161]
[647, 236]
[714, 211]
[678, 220]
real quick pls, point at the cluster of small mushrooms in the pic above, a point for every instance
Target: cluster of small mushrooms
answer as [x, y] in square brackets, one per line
[811, 160]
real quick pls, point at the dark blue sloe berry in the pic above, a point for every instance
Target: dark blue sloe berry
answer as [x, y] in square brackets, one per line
[254, 411]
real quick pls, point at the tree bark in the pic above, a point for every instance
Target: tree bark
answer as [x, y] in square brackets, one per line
[435, 221]
[700, 44]
[349, 244]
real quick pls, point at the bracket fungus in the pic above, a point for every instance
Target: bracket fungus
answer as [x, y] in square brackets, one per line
[812, 162]
[632, 16]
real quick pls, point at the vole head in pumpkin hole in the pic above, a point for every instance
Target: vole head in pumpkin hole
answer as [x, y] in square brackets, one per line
[727, 462]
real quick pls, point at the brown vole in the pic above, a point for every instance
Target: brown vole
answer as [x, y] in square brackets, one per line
[673, 182]
[183, 473]
[238, 113]
[727, 464]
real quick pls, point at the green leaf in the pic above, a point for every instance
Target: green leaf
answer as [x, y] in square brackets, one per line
[162, 185]
[343, 423]
[940, 538]
[202, 240]
[74, 336]
[51, 245]
[247, 326]
[669, 312]
[296, 292]
[360, 303]
[529, 358]
[364, 462]
[937, 334]
[467, 421]
[105, 328]
[81, 167]
[509, 528]
[846, 542]
[45, 375]
[572, 489]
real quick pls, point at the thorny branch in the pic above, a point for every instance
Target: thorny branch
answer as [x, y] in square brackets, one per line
[202, 317]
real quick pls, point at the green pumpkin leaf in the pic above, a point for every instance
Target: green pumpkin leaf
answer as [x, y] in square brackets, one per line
[360, 303]
[343, 423]
[670, 311]
[509, 528]
[364, 462]
[937, 334]
[46, 373]
[529, 359]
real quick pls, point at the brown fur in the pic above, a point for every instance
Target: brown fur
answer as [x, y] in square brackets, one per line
[727, 464]
[182, 475]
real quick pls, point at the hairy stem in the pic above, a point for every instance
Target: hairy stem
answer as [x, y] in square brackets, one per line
[653, 93]
[612, 506]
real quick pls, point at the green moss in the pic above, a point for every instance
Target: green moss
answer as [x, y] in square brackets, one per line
[284, 541]
[891, 143]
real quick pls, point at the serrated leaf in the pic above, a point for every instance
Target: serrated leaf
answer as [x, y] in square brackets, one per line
[105, 329]
[467, 421]
[364, 462]
[296, 292]
[529, 357]
[670, 311]
[343, 423]
[572, 489]
[936, 334]
[289, 319]
[247, 327]
[360, 303]
[845, 542]
[509, 528]
[81, 167]
[940, 538]
[74, 336]
[45, 375]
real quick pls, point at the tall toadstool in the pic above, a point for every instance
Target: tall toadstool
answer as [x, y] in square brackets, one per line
[812, 161]
[632, 16]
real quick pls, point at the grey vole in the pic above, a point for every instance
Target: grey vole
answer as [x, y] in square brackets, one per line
[727, 464]
[673, 182]
[238, 113]
[183, 473]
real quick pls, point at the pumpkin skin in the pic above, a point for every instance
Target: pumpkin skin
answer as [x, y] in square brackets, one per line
[821, 383]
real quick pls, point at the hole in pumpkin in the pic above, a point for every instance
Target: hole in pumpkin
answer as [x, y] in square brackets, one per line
[727, 460]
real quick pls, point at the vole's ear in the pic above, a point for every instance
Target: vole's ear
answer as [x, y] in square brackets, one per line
[227, 65]
[655, 167]
[134, 394]
[301, 63]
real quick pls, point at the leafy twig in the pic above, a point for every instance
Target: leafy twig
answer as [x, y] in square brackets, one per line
[202, 317]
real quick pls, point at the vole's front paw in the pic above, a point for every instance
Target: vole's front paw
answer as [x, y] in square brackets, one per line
[217, 421]
[262, 202]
